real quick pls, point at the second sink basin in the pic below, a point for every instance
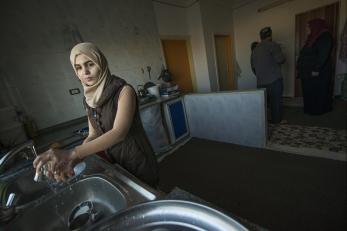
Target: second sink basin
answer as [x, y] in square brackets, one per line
[22, 185]
[54, 212]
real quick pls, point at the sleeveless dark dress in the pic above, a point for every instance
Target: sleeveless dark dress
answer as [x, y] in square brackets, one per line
[134, 153]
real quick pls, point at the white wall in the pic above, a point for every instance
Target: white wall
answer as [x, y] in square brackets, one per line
[199, 23]
[171, 21]
[38, 35]
[180, 22]
[217, 19]
[248, 22]
[198, 44]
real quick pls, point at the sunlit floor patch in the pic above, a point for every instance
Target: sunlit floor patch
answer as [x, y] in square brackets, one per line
[307, 140]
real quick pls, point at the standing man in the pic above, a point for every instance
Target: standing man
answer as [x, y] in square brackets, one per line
[267, 58]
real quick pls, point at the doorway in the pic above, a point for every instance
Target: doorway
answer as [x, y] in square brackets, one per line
[224, 62]
[330, 14]
[178, 63]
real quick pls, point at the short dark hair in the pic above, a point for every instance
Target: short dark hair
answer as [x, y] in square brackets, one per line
[265, 33]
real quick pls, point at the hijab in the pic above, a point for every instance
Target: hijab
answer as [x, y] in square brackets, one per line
[318, 26]
[92, 93]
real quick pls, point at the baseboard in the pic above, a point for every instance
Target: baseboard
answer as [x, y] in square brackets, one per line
[308, 152]
[293, 101]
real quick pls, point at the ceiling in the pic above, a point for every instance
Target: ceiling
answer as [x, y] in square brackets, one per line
[188, 3]
[179, 3]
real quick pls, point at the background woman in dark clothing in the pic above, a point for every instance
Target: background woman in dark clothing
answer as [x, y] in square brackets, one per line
[315, 68]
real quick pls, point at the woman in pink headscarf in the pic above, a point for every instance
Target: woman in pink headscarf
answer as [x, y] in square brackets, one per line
[314, 68]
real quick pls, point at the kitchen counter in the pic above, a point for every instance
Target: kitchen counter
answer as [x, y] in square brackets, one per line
[65, 133]
[162, 99]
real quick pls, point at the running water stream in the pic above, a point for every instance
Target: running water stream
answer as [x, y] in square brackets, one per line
[55, 187]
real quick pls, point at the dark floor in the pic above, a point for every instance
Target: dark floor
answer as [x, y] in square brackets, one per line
[275, 190]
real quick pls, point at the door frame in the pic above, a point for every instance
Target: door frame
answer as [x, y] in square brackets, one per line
[190, 55]
[229, 36]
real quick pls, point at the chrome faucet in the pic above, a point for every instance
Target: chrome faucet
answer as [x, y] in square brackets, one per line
[18, 149]
[9, 211]
[10, 200]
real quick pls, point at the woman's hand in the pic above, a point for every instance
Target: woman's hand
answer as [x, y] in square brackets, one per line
[61, 163]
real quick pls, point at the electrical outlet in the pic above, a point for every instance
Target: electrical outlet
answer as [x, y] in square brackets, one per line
[74, 91]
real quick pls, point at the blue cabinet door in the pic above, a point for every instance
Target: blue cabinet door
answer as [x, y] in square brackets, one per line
[176, 119]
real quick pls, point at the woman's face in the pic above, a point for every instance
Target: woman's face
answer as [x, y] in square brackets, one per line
[87, 71]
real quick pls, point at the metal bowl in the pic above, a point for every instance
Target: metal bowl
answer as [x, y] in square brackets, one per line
[169, 215]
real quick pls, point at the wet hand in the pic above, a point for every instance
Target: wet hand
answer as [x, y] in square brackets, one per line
[43, 159]
[64, 169]
[60, 163]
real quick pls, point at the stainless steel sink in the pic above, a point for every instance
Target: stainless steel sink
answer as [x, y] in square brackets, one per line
[24, 188]
[169, 215]
[105, 188]
[106, 197]
[53, 213]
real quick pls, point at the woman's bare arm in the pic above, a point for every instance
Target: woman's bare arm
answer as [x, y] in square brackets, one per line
[91, 133]
[121, 126]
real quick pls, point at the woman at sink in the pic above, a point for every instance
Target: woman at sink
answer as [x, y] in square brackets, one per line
[115, 128]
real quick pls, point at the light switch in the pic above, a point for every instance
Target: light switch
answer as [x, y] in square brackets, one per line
[74, 91]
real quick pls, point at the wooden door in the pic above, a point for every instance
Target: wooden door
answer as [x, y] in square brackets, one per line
[177, 62]
[330, 14]
[224, 62]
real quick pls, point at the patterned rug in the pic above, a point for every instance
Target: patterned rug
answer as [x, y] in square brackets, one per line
[305, 140]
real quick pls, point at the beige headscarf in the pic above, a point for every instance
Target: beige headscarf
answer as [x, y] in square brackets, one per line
[92, 93]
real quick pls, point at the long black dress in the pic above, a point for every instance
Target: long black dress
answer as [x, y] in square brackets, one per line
[317, 90]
